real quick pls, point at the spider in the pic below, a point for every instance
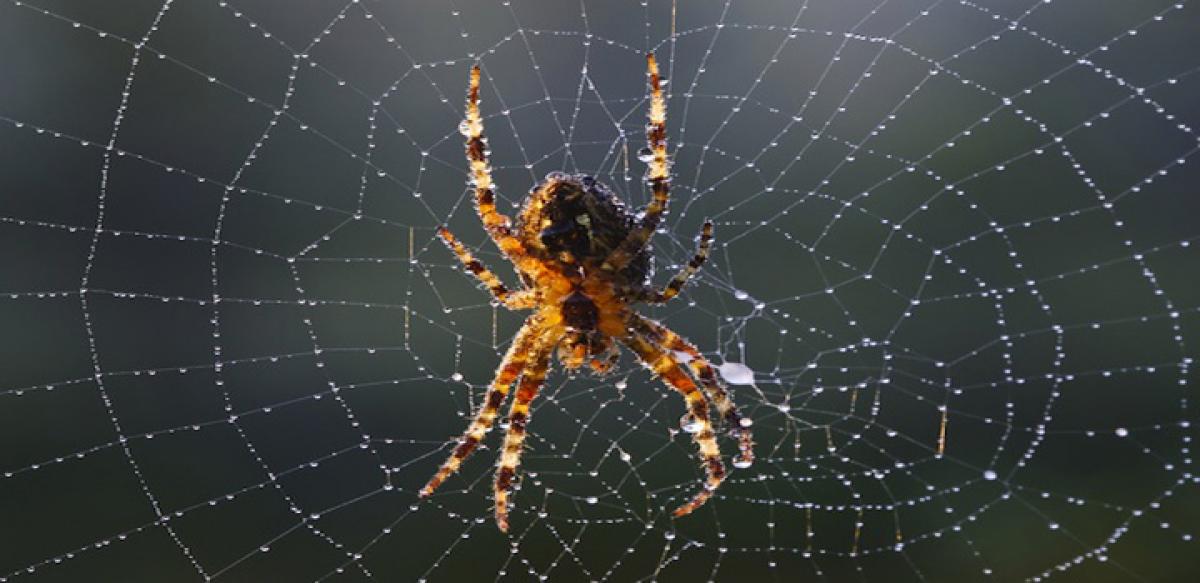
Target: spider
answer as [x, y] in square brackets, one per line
[584, 259]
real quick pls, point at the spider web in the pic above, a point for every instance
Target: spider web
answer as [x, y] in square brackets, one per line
[953, 284]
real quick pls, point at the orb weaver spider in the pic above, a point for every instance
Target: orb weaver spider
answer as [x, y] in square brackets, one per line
[584, 259]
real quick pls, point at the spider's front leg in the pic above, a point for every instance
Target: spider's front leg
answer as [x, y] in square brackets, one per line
[518, 418]
[522, 299]
[700, 425]
[737, 425]
[510, 368]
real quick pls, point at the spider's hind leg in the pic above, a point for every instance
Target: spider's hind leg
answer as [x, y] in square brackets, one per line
[497, 224]
[657, 174]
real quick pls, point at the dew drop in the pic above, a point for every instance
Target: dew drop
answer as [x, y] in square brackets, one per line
[736, 373]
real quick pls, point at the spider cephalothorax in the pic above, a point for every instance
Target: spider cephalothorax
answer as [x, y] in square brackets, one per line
[584, 260]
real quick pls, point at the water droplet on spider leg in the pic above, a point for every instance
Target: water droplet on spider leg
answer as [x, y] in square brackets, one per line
[689, 424]
[742, 463]
[645, 155]
[663, 81]
[464, 128]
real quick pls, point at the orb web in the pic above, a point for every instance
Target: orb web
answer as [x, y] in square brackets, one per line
[953, 285]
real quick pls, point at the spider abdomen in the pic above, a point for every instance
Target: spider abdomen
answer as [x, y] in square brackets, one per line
[576, 222]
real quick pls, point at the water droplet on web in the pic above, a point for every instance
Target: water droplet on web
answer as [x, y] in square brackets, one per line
[591, 499]
[989, 475]
[1122, 432]
[736, 373]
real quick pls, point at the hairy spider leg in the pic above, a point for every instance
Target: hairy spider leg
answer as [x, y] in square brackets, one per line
[518, 419]
[494, 222]
[660, 181]
[667, 368]
[512, 365]
[521, 299]
[737, 425]
[673, 288]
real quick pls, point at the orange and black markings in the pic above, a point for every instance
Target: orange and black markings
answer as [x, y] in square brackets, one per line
[583, 260]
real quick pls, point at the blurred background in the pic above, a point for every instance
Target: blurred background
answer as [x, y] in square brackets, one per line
[954, 285]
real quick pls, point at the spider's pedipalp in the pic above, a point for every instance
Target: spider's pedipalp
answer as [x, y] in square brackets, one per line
[737, 425]
[657, 174]
[518, 418]
[667, 367]
[521, 299]
[512, 366]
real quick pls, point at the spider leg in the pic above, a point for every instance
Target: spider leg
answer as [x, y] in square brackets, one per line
[518, 418]
[494, 222]
[665, 366]
[510, 367]
[673, 288]
[660, 182]
[738, 426]
[521, 299]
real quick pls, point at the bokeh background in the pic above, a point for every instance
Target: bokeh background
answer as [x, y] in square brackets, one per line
[231, 347]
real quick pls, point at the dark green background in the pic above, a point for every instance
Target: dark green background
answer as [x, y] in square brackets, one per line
[148, 435]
